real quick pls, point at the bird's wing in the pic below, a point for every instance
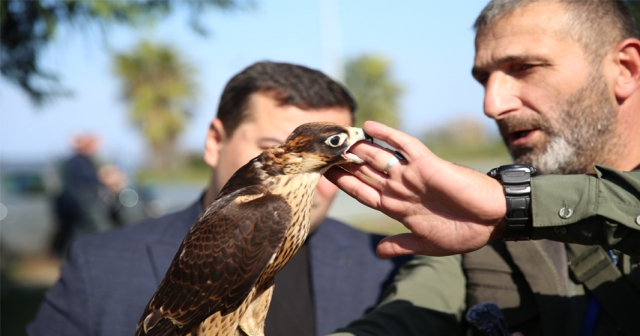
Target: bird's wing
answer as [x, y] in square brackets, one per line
[221, 258]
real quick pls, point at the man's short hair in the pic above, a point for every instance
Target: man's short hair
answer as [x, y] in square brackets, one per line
[289, 84]
[596, 24]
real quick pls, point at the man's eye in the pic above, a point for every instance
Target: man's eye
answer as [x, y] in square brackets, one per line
[523, 67]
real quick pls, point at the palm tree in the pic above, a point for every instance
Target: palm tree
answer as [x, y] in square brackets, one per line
[159, 87]
[368, 77]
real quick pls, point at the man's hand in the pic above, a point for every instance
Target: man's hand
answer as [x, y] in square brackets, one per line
[449, 209]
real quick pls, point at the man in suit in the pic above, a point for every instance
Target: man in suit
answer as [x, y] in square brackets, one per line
[334, 278]
[79, 207]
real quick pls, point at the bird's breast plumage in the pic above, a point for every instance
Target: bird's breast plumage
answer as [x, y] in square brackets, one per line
[298, 191]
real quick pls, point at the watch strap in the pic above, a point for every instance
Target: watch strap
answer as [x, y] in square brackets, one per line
[516, 181]
[518, 218]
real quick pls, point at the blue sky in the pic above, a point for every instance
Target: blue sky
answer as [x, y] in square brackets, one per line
[430, 43]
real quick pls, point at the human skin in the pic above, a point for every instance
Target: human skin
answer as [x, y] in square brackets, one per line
[447, 207]
[527, 65]
[552, 103]
[267, 125]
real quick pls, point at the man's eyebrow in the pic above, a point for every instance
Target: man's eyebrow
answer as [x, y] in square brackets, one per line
[478, 70]
[521, 58]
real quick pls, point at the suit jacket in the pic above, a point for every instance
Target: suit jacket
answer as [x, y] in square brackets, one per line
[110, 277]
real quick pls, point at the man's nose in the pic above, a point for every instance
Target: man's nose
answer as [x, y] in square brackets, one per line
[500, 95]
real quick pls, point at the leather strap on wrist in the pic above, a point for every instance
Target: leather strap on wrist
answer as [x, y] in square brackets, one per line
[516, 181]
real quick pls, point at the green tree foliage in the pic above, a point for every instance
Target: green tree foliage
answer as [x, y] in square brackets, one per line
[369, 79]
[159, 87]
[27, 27]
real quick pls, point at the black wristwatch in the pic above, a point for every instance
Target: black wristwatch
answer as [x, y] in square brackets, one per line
[516, 180]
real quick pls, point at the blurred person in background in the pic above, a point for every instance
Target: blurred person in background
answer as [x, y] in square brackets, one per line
[114, 181]
[562, 81]
[333, 279]
[80, 208]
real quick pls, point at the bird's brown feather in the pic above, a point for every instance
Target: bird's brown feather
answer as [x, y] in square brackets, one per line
[223, 271]
[210, 275]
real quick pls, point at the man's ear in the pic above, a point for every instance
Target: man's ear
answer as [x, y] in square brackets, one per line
[628, 63]
[213, 143]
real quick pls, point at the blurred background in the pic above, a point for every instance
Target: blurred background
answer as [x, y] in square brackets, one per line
[109, 101]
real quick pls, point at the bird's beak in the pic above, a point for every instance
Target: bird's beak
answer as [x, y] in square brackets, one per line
[355, 134]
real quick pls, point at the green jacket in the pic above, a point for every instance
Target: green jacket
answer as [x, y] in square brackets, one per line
[540, 285]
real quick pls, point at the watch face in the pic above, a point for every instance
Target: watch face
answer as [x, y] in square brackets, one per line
[514, 165]
[511, 170]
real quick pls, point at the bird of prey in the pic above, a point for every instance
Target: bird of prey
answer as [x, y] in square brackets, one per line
[221, 279]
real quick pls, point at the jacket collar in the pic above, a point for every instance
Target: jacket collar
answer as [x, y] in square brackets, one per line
[162, 250]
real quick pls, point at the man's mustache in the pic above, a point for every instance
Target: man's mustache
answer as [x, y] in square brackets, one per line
[516, 124]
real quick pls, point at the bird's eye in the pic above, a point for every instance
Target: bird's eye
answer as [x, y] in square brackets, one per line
[336, 140]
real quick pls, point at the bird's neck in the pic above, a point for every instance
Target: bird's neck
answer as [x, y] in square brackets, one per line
[293, 185]
[278, 162]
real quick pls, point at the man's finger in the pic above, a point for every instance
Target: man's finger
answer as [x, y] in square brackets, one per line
[364, 172]
[409, 146]
[373, 154]
[399, 245]
[382, 159]
[354, 187]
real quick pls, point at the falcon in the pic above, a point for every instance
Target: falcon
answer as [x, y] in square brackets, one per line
[221, 279]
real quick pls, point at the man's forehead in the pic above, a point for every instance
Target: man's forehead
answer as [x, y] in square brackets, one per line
[275, 126]
[543, 13]
[266, 105]
[530, 31]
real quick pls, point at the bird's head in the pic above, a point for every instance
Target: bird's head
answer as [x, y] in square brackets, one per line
[314, 147]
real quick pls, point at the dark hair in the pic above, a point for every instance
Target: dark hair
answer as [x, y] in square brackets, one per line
[289, 84]
[596, 24]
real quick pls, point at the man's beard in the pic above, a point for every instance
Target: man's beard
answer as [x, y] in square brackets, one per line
[580, 135]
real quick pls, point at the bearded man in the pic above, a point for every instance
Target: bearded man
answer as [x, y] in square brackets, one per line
[562, 81]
